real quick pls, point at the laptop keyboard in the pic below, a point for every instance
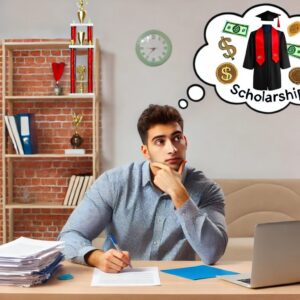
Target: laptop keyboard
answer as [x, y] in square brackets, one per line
[246, 280]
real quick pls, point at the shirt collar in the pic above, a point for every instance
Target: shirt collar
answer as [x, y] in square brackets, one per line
[146, 175]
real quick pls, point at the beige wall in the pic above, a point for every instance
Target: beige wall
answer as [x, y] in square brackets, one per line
[224, 140]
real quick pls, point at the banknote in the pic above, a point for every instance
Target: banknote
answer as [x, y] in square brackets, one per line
[293, 50]
[235, 28]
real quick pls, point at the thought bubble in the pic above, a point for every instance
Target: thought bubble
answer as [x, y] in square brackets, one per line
[183, 104]
[195, 92]
[233, 62]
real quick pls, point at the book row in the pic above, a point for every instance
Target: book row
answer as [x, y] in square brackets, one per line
[77, 187]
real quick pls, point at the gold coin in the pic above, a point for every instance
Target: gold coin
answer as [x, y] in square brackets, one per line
[293, 28]
[294, 75]
[226, 73]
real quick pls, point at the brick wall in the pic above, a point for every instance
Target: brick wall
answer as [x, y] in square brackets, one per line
[44, 179]
[33, 71]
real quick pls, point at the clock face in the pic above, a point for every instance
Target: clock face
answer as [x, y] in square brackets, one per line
[153, 48]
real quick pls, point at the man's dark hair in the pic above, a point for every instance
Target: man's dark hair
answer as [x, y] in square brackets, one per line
[157, 114]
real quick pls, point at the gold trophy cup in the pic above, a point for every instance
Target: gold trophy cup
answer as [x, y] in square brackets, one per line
[81, 37]
[81, 13]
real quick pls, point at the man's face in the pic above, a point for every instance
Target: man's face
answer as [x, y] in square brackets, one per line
[166, 144]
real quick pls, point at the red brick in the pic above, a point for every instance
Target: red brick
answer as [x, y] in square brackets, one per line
[56, 52]
[40, 60]
[45, 52]
[35, 53]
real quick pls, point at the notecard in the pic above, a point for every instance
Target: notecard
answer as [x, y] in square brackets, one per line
[198, 272]
[128, 277]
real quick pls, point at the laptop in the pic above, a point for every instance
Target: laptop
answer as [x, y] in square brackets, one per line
[276, 256]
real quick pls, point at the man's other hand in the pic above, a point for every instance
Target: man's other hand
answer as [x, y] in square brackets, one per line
[169, 181]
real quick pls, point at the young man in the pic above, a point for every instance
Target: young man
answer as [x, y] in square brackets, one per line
[158, 209]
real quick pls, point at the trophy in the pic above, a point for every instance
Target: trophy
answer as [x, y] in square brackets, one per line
[58, 69]
[76, 140]
[81, 13]
[81, 36]
[81, 69]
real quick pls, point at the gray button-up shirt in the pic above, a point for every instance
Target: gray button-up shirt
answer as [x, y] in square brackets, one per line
[144, 221]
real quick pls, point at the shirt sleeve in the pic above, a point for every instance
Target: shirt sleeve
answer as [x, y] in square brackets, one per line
[87, 220]
[204, 225]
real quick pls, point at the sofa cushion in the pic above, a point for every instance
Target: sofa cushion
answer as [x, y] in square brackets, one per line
[252, 201]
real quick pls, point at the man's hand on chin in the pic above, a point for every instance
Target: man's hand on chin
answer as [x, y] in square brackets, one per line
[169, 181]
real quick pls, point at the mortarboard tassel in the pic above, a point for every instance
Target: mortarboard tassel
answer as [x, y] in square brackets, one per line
[278, 22]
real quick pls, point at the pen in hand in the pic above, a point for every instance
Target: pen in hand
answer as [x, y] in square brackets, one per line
[114, 242]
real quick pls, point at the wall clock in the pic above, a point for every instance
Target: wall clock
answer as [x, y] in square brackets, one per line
[153, 48]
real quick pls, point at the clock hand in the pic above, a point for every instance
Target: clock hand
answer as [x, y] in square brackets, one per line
[152, 49]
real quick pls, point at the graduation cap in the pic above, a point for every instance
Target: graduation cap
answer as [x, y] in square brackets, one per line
[269, 16]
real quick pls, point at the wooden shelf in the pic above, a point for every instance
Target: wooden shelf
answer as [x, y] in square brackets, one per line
[50, 97]
[37, 205]
[46, 155]
[11, 102]
[59, 44]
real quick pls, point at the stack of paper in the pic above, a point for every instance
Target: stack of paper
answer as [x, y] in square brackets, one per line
[27, 262]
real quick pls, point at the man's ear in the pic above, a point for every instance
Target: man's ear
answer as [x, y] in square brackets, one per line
[186, 142]
[145, 152]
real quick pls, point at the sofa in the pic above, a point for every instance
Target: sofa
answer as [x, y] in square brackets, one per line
[252, 201]
[249, 202]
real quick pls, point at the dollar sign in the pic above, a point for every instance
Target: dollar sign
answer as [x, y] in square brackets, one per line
[291, 49]
[223, 45]
[226, 71]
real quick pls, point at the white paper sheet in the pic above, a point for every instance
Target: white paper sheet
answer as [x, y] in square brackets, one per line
[128, 277]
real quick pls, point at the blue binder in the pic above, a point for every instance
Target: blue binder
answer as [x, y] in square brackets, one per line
[25, 125]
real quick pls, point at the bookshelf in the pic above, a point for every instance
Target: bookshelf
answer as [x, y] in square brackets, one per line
[35, 173]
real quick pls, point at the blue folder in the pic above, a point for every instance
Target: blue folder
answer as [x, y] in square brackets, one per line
[198, 272]
[25, 125]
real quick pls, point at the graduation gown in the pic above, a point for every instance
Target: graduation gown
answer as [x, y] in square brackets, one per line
[267, 75]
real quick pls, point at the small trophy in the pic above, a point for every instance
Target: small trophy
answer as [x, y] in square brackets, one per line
[76, 140]
[58, 69]
[81, 13]
[81, 37]
[81, 69]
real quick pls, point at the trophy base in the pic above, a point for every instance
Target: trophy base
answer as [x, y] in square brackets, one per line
[75, 151]
[58, 90]
[82, 94]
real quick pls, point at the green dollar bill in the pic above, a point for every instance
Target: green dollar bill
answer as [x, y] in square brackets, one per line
[235, 28]
[293, 50]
